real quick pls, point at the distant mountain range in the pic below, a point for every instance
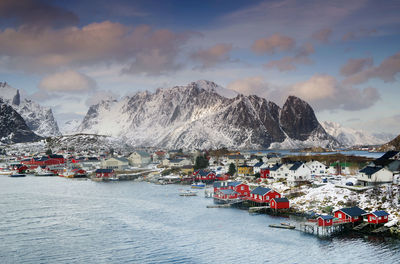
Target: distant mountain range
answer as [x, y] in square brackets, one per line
[351, 137]
[200, 115]
[204, 115]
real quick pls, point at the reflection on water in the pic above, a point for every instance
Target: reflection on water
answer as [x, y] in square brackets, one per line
[57, 220]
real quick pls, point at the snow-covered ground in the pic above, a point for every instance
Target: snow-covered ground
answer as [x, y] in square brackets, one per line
[329, 196]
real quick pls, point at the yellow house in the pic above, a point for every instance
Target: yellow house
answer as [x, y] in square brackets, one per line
[187, 170]
[245, 170]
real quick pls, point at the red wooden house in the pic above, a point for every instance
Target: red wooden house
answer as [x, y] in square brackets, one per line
[104, 173]
[352, 214]
[264, 173]
[378, 217]
[325, 220]
[204, 176]
[263, 195]
[242, 189]
[226, 194]
[279, 203]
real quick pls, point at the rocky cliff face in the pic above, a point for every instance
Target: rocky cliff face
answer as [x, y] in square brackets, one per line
[38, 118]
[13, 128]
[204, 115]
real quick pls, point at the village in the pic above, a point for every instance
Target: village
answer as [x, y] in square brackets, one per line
[362, 193]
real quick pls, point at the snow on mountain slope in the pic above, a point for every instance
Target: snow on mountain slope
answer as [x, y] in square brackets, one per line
[198, 116]
[70, 126]
[351, 137]
[38, 118]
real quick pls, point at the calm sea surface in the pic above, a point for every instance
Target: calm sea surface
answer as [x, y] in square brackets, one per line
[57, 220]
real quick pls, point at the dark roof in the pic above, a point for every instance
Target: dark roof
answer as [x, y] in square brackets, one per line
[234, 183]
[296, 165]
[204, 173]
[388, 155]
[93, 158]
[281, 200]
[326, 217]
[258, 164]
[227, 191]
[379, 213]
[104, 170]
[275, 167]
[175, 160]
[261, 190]
[353, 211]
[217, 184]
[370, 170]
[55, 156]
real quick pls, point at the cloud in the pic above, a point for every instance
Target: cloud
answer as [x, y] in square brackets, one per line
[355, 35]
[250, 85]
[386, 71]
[101, 95]
[388, 124]
[213, 55]
[354, 66]
[324, 92]
[141, 49]
[66, 82]
[35, 13]
[273, 44]
[322, 35]
[288, 63]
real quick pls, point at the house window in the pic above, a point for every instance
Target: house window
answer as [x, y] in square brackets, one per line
[267, 197]
[276, 196]
[385, 217]
[339, 215]
[380, 218]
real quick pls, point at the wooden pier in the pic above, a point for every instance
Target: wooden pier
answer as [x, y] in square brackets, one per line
[256, 209]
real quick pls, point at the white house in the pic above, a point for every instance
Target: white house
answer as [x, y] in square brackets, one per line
[139, 159]
[279, 171]
[176, 162]
[299, 172]
[317, 168]
[374, 175]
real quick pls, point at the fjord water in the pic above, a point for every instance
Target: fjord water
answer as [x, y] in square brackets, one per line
[57, 220]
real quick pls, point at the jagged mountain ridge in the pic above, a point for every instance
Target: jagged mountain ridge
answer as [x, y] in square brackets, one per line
[197, 116]
[38, 118]
[351, 137]
[13, 128]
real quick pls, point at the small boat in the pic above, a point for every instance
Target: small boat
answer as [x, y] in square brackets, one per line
[282, 226]
[198, 185]
[188, 193]
[17, 175]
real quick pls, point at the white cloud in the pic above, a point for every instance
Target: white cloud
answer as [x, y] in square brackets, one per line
[66, 82]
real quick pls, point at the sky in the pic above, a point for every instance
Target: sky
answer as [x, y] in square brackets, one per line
[342, 57]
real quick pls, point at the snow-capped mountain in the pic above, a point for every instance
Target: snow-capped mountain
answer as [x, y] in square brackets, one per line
[350, 137]
[13, 128]
[205, 115]
[70, 126]
[38, 118]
